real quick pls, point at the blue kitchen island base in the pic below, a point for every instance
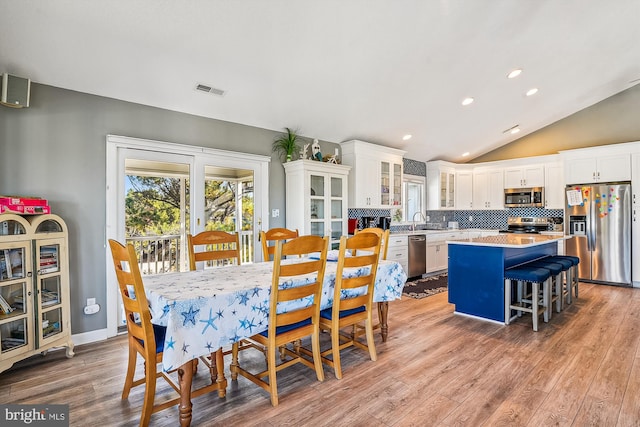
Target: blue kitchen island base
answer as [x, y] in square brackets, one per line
[476, 273]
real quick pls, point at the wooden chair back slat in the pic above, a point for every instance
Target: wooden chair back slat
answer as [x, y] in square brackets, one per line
[219, 245]
[274, 235]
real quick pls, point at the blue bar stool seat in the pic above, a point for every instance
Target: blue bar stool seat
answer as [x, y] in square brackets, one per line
[555, 288]
[539, 301]
[567, 268]
[572, 282]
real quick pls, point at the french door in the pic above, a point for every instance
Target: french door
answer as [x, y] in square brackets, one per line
[158, 192]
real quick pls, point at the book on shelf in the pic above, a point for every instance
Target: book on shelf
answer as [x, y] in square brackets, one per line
[4, 306]
[48, 298]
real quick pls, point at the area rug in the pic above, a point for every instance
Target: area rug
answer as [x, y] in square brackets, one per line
[422, 288]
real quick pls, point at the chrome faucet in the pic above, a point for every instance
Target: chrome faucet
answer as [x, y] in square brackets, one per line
[413, 226]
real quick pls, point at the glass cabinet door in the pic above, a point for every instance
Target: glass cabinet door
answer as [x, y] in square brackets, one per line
[443, 189]
[317, 204]
[452, 186]
[15, 298]
[337, 211]
[49, 288]
[385, 178]
[397, 184]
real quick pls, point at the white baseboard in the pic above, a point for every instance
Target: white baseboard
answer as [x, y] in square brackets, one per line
[89, 337]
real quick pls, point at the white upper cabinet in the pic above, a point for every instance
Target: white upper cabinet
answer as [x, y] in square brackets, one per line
[488, 188]
[464, 189]
[375, 180]
[554, 186]
[524, 176]
[441, 185]
[600, 168]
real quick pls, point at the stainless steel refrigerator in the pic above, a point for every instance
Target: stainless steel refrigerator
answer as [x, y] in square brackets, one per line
[598, 217]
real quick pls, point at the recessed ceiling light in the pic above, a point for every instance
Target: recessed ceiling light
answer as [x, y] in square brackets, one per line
[467, 101]
[514, 73]
[515, 130]
[406, 137]
[465, 154]
[532, 91]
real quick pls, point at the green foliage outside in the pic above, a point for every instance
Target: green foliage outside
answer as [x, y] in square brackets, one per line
[152, 206]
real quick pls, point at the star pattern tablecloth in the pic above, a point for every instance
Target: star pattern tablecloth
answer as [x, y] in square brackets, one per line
[204, 310]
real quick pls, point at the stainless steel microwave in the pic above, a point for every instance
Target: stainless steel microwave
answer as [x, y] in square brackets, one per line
[524, 197]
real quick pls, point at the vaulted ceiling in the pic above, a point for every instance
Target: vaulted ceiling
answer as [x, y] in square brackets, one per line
[374, 70]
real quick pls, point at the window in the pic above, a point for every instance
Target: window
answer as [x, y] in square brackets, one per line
[413, 202]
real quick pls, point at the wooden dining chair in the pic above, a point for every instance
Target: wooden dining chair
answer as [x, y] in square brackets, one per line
[347, 310]
[220, 248]
[287, 327]
[274, 235]
[384, 247]
[384, 237]
[145, 338]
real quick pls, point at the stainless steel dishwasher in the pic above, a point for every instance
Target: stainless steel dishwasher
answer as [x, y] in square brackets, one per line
[417, 255]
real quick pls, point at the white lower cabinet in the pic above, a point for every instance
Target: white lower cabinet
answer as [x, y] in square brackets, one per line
[398, 250]
[438, 250]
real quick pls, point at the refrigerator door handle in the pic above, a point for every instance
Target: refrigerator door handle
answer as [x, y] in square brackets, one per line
[591, 225]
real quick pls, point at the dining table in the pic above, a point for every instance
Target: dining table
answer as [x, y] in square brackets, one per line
[205, 310]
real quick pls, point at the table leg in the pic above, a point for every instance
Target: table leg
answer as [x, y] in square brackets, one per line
[221, 380]
[185, 377]
[383, 310]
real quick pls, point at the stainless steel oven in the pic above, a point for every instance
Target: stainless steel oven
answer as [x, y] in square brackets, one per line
[524, 197]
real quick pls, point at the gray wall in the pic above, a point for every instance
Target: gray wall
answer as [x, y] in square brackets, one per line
[56, 149]
[611, 121]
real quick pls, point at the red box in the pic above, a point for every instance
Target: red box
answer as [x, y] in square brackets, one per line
[24, 201]
[25, 210]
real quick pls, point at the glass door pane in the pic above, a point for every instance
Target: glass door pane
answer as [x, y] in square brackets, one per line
[317, 185]
[336, 187]
[157, 213]
[443, 189]
[397, 185]
[385, 177]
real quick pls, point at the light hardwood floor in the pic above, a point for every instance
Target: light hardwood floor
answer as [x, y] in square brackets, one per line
[437, 369]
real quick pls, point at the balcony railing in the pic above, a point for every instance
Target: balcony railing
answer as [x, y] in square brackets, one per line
[166, 254]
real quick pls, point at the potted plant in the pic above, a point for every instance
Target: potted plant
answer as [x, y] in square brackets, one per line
[287, 144]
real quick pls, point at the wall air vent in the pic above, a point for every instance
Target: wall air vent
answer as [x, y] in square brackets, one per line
[209, 89]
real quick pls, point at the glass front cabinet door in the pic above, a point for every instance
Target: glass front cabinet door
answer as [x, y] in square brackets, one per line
[16, 289]
[50, 295]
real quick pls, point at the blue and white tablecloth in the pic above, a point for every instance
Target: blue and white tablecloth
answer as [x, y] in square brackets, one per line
[204, 310]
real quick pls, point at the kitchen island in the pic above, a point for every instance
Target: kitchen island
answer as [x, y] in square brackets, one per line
[476, 269]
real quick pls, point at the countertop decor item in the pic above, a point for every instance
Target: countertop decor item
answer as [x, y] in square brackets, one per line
[287, 144]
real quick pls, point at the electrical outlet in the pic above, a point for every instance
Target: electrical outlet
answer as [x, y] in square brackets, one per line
[470, 218]
[444, 218]
[275, 213]
[428, 218]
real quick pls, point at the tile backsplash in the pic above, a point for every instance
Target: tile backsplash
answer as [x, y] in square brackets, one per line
[488, 219]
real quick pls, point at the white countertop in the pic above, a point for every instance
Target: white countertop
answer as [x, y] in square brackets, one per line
[438, 231]
[510, 240]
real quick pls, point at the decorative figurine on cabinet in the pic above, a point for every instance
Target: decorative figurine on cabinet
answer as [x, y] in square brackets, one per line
[315, 149]
[303, 153]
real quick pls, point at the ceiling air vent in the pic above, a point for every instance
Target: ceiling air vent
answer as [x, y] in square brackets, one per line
[209, 89]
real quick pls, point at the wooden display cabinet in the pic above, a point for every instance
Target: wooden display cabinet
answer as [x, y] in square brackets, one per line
[34, 287]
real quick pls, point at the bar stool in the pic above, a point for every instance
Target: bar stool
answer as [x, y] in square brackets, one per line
[556, 287]
[567, 268]
[539, 302]
[572, 276]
